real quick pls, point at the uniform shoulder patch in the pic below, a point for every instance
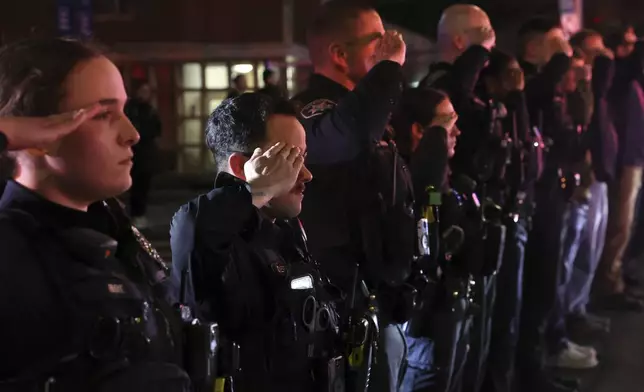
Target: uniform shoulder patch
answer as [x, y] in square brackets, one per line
[317, 107]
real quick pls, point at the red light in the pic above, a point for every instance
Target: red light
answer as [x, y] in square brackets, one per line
[138, 72]
[597, 20]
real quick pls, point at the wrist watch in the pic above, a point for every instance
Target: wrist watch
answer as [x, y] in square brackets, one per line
[4, 142]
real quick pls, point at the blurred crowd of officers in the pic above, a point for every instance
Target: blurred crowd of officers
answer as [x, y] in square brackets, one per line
[363, 236]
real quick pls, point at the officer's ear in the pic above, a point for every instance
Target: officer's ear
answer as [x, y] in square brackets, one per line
[236, 162]
[460, 42]
[338, 55]
[417, 132]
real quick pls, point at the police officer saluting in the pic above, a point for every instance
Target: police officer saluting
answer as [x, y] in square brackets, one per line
[83, 301]
[345, 110]
[245, 255]
[465, 38]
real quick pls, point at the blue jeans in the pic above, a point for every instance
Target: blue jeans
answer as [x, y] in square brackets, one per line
[436, 364]
[546, 254]
[507, 310]
[420, 375]
[476, 366]
[590, 251]
[575, 217]
[390, 358]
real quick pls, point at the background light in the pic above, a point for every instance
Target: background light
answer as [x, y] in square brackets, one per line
[242, 68]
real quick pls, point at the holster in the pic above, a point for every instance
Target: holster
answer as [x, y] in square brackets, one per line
[210, 359]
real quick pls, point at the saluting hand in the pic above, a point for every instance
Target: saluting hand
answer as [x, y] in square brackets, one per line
[560, 45]
[391, 47]
[603, 51]
[484, 36]
[273, 172]
[41, 132]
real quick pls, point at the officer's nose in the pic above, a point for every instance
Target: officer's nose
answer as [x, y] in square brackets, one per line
[305, 175]
[127, 134]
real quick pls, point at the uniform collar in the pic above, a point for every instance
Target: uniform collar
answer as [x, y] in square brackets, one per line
[263, 222]
[18, 197]
[224, 179]
[321, 82]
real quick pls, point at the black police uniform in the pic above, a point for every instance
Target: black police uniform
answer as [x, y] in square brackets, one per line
[517, 197]
[78, 311]
[474, 159]
[341, 128]
[244, 271]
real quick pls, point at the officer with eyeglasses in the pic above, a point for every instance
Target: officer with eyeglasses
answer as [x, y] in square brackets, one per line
[240, 255]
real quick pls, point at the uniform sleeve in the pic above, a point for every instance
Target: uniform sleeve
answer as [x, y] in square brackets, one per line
[541, 89]
[546, 107]
[601, 131]
[342, 132]
[218, 270]
[459, 83]
[465, 75]
[603, 71]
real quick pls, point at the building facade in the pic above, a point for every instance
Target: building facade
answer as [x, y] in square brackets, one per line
[190, 51]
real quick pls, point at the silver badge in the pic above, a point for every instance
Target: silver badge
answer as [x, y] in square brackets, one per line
[317, 107]
[148, 248]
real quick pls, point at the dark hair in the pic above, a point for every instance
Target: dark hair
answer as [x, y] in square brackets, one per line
[577, 40]
[239, 124]
[333, 16]
[334, 19]
[33, 71]
[32, 77]
[267, 74]
[615, 37]
[499, 62]
[418, 105]
[534, 28]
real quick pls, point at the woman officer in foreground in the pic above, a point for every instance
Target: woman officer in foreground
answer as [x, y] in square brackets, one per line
[82, 305]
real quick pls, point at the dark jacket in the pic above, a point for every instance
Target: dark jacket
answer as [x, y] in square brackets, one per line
[58, 294]
[626, 100]
[341, 126]
[602, 137]
[548, 111]
[241, 265]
